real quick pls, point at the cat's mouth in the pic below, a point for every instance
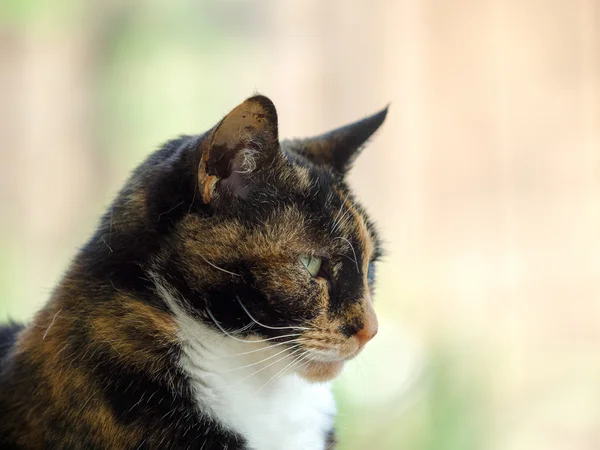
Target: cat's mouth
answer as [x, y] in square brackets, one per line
[321, 368]
[320, 371]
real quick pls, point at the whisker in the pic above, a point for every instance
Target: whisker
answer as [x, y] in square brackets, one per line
[337, 216]
[348, 258]
[344, 220]
[51, 323]
[241, 330]
[219, 268]
[352, 247]
[333, 227]
[244, 340]
[256, 363]
[307, 361]
[267, 366]
[163, 213]
[262, 324]
[278, 374]
[260, 349]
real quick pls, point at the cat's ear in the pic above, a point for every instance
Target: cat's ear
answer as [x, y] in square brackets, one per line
[243, 142]
[338, 148]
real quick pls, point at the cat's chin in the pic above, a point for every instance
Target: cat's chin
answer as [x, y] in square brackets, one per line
[318, 371]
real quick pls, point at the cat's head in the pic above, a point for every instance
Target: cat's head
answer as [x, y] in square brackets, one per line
[261, 239]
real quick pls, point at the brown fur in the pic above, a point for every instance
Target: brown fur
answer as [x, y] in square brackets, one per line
[219, 218]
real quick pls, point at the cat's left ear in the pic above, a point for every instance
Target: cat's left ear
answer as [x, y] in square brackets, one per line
[338, 148]
[242, 143]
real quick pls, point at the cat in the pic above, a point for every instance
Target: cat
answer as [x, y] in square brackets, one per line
[225, 287]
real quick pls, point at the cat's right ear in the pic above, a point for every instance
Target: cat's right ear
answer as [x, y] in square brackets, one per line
[243, 142]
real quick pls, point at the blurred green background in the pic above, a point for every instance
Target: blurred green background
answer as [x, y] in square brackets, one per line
[485, 180]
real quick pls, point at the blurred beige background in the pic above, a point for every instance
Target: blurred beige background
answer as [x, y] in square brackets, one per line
[485, 180]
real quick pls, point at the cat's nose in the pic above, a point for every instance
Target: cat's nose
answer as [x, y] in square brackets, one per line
[370, 326]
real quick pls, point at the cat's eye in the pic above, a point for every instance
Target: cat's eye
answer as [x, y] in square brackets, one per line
[311, 263]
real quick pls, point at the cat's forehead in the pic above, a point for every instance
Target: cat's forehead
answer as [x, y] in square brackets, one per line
[303, 174]
[314, 201]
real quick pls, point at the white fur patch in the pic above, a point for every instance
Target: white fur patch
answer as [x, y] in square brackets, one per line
[244, 386]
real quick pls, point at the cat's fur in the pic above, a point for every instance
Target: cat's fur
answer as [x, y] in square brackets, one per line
[187, 321]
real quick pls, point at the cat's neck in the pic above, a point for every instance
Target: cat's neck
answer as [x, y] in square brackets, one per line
[251, 387]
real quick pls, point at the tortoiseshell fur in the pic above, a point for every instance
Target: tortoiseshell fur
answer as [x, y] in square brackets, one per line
[219, 219]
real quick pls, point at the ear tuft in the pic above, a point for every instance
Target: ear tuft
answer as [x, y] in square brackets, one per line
[245, 140]
[338, 148]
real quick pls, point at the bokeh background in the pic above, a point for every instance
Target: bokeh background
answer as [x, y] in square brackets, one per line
[485, 181]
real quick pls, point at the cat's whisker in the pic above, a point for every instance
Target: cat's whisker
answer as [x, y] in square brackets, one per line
[352, 247]
[267, 366]
[267, 326]
[348, 258]
[281, 372]
[194, 197]
[242, 329]
[258, 362]
[306, 361]
[51, 323]
[220, 268]
[342, 221]
[167, 212]
[245, 340]
[337, 216]
[347, 216]
[342, 205]
[291, 341]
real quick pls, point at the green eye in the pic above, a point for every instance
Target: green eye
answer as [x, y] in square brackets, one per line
[311, 263]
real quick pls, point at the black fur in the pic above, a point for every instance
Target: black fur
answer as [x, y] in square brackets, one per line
[68, 372]
[8, 336]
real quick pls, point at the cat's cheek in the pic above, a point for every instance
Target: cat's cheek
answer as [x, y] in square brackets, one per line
[319, 372]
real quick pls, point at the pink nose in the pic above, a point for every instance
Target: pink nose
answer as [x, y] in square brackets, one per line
[370, 326]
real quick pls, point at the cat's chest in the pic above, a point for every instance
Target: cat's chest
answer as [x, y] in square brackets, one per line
[290, 413]
[270, 408]
[250, 388]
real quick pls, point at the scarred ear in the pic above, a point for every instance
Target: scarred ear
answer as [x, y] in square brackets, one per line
[338, 148]
[243, 142]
